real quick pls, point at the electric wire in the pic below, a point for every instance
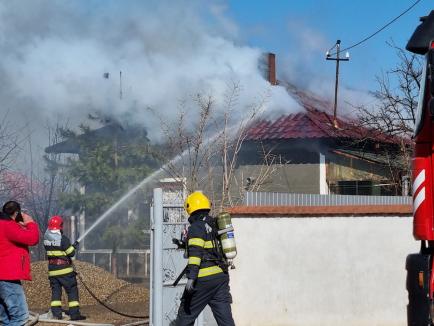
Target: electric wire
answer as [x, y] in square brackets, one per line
[379, 30]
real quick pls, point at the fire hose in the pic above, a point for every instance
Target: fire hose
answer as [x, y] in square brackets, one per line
[33, 319]
[104, 304]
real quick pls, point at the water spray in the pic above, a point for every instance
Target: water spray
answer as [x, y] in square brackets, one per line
[144, 182]
[229, 130]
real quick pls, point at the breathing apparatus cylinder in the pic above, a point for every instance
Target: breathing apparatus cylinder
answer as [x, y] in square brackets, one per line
[226, 235]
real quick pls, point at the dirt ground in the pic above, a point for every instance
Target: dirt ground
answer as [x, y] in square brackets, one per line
[127, 298]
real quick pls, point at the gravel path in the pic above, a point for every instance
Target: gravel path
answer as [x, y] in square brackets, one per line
[123, 296]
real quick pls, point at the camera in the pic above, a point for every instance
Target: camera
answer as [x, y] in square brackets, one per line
[19, 217]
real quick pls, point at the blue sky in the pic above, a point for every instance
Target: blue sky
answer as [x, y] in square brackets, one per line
[300, 32]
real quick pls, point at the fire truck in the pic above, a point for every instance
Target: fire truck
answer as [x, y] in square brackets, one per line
[420, 266]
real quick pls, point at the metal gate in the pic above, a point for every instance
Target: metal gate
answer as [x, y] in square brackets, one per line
[167, 221]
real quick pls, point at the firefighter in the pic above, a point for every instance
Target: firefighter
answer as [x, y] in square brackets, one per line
[207, 273]
[60, 270]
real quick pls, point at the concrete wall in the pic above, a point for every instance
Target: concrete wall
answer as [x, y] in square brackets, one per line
[332, 271]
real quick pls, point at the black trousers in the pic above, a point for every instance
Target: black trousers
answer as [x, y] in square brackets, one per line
[215, 293]
[69, 283]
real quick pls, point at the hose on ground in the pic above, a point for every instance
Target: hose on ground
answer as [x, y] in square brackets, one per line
[104, 304]
[137, 323]
[71, 322]
[33, 319]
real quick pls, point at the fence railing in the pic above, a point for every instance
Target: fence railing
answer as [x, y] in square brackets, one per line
[288, 199]
[131, 263]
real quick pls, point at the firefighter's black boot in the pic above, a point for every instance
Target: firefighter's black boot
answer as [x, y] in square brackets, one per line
[78, 317]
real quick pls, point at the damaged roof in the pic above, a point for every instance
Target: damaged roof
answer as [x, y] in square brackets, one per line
[316, 121]
[107, 132]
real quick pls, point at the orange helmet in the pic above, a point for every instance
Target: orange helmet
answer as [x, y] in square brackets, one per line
[55, 223]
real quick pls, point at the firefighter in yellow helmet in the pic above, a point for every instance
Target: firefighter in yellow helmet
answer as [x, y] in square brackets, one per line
[207, 272]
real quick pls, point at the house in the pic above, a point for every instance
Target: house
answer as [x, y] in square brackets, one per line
[312, 153]
[312, 156]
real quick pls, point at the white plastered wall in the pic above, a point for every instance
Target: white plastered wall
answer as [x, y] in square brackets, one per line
[321, 271]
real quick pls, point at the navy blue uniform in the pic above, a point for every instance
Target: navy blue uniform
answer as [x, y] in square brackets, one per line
[207, 268]
[61, 273]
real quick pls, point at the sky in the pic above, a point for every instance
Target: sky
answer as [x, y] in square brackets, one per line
[300, 32]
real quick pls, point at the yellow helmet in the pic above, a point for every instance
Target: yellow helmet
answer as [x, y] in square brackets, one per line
[196, 201]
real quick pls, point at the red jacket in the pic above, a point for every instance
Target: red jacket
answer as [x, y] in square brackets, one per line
[15, 240]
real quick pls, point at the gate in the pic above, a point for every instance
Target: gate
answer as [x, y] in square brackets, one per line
[167, 262]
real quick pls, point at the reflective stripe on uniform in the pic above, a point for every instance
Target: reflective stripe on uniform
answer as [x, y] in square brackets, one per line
[56, 303]
[196, 242]
[194, 261]
[209, 271]
[60, 271]
[69, 250]
[73, 304]
[209, 244]
[56, 253]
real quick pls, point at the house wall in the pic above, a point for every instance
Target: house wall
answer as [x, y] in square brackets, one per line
[345, 168]
[293, 178]
[336, 271]
[301, 172]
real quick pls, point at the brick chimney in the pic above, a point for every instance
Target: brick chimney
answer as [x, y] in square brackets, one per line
[271, 61]
[267, 67]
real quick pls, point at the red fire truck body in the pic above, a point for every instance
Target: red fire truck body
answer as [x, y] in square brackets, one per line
[420, 266]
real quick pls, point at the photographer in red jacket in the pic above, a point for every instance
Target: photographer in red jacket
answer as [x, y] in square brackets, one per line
[18, 231]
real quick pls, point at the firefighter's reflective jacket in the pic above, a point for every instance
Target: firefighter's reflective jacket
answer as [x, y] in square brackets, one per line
[59, 253]
[205, 259]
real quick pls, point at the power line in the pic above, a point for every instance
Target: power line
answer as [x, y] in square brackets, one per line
[382, 28]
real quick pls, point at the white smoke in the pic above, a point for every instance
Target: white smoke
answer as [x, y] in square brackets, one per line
[54, 55]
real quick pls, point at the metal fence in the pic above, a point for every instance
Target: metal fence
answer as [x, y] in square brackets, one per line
[131, 263]
[288, 199]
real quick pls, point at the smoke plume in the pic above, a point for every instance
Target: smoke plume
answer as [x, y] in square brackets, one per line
[64, 58]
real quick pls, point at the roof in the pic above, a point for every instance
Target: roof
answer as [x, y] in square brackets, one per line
[107, 132]
[320, 211]
[316, 121]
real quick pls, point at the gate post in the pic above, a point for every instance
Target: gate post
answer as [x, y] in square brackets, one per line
[157, 305]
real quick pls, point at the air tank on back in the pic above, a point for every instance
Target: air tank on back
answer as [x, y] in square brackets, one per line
[226, 234]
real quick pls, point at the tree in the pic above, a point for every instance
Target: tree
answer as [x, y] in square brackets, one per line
[11, 140]
[394, 111]
[41, 197]
[206, 150]
[107, 166]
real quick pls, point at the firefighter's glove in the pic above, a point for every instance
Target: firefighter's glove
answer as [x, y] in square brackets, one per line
[76, 244]
[189, 287]
[179, 243]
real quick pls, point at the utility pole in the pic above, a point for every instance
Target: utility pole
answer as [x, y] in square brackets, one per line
[337, 59]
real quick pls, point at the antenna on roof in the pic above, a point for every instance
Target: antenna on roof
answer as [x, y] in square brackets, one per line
[120, 85]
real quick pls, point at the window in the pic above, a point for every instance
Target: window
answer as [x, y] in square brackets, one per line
[355, 187]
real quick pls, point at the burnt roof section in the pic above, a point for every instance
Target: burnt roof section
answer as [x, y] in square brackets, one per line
[316, 121]
[108, 132]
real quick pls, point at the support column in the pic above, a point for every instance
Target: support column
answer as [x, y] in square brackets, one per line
[82, 222]
[158, 258]
[323, 186]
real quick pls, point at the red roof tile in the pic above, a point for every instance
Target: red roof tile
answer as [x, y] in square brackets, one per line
[315, 122]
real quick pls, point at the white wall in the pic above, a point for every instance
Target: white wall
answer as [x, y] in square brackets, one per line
[321, 271]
